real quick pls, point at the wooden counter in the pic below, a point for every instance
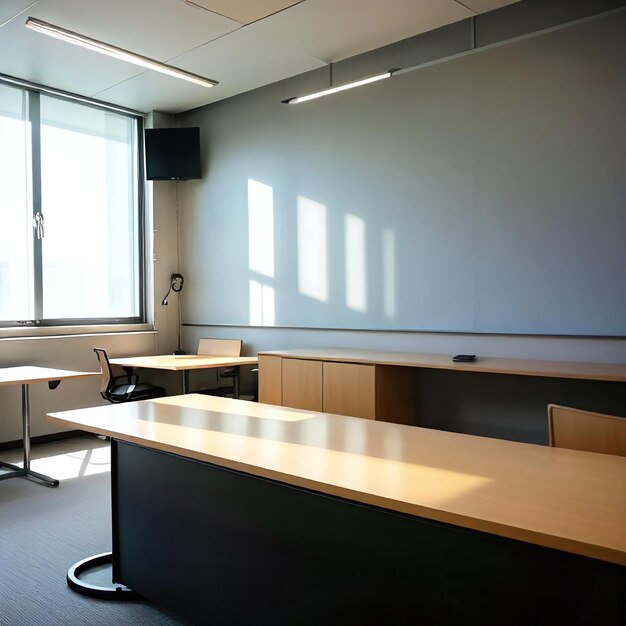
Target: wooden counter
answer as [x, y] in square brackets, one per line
[381, 385]
[486, 364]
[563, 499]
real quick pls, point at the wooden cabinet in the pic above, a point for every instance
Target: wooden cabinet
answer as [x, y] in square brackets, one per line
[371, 391]
[302, 384]
[349, 389]
[270, 379]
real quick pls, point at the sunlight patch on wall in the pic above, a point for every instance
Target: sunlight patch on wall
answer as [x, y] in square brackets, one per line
[389, 273]
[312, 249]
[262, 311]
[260, 228]
[356, 269]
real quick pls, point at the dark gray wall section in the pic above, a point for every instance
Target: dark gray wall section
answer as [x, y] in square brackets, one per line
[529, 16]
[500, 175]
[505, 406]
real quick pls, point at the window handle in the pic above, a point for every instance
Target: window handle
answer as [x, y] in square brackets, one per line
[38, 225]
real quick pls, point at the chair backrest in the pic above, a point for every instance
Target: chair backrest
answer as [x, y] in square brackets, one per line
[584, 430]
[105, 369]
[220, 347]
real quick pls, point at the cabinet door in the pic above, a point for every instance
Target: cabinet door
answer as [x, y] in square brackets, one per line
[270, 380]
[350, 389]
[302, 384]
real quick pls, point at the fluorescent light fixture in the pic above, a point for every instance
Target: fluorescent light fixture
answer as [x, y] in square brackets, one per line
[113, 51]
[327, 92]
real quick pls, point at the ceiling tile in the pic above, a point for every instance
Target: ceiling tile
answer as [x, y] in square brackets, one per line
[239, 62]
[151, 91]
[245, 11]
[160, 29]
[331, 31]
[305, 36]
[482, 6]
[10, 8]
[48, 61]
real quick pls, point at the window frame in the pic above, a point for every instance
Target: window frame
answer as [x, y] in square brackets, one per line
[33, 93]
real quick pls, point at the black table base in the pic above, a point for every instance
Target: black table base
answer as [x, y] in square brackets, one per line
[224, 547]
[111, 591]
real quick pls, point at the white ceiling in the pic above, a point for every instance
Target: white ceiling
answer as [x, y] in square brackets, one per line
[243, 44]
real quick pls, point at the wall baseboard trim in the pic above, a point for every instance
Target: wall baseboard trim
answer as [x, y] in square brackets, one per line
[68, 434]
[411, 331]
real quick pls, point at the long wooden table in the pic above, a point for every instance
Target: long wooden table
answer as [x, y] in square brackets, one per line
[377, 384]
[235, 512]
[26, 375]
[184, 363]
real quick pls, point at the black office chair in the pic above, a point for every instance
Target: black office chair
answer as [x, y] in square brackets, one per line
[114, 390]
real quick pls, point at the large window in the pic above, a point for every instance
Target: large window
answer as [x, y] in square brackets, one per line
[70, 227]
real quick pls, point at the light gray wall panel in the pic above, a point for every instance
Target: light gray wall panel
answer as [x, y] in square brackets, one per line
[498, 176]
[551, 203]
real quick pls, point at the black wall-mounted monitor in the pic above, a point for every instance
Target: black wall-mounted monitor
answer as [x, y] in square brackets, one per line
[172, 153]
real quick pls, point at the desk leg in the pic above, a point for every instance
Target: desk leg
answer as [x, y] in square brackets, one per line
[236, 382]
[35, 476]
[26, 425]
[25, 471]
[185, 374]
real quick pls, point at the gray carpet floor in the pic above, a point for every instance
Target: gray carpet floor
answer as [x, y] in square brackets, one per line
[43, 531]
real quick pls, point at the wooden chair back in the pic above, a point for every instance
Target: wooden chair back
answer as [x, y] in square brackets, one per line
[105, 369]
[220, 347]
[583, 430]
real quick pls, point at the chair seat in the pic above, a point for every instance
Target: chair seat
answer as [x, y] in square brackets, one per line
[216, 391]
[229, 372]
[128, 393]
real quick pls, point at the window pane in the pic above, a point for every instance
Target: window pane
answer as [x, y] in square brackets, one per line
[90, 248]
[16, 289]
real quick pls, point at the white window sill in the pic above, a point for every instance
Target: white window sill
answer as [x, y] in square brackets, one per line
[35, 332]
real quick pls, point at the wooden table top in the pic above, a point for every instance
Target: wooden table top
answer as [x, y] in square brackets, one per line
[25, 374]
[180, 362]
[563, 499]
[485, 364]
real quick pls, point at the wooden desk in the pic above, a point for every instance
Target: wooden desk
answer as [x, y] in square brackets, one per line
[183, 363]
[377, 384]
[422, 505]
[24, 376]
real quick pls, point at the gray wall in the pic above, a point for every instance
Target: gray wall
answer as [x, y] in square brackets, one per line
[514, 152]
[488, 191]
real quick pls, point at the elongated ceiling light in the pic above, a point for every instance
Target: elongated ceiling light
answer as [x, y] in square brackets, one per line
[115, 52]
[327, 92]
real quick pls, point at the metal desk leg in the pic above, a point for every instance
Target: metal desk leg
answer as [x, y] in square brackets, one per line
[236, 382]
[35, 476]
[185, 374]
[25, 471]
